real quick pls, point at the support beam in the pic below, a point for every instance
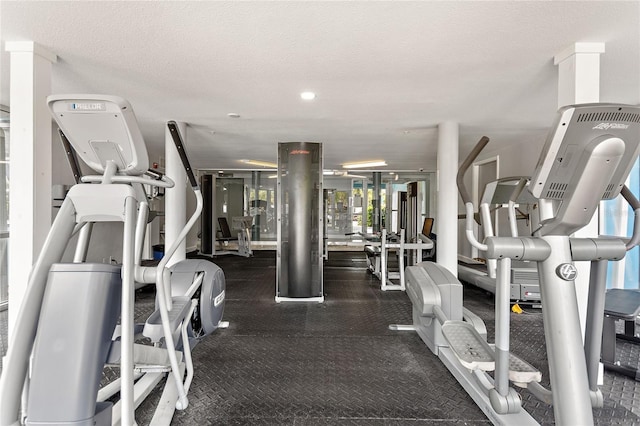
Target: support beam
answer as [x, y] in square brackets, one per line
[579, 82]
[579, 73]
[446, 220]
[377, 201]
[175, 199]
[30, 172]
[365, 205]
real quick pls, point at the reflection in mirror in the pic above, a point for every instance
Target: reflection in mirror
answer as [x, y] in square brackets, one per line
[349, 210]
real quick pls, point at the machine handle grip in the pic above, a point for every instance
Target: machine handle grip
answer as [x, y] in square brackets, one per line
[71, 157]
[635, 205]
[631, 199]
[466, 198]
[177, 140]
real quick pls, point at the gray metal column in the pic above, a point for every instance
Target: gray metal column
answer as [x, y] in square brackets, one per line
[300, 222]
[255, 186]
[207, 227]
[300, 195]
[365, 205]
[377, 218]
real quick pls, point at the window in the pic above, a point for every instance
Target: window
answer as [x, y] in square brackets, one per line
[4, 206]
[617, 219]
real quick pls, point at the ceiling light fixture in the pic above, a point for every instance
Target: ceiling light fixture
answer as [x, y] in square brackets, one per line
[361, 164]
[308, 96]
[260, 163]
[233, 115]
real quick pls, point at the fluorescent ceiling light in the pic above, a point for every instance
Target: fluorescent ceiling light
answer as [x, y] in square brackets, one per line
[361, 164]
[349, 175]
[308, 96]
[260, 163]
[343, 174]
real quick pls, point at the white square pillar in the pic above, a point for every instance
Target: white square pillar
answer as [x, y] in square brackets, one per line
[579, 74]
[579, 83]
[446, 222]
[30, 172]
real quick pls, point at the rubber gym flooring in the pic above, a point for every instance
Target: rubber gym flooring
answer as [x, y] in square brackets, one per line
[338, 363]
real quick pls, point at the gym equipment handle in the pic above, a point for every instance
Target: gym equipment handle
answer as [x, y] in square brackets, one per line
[71, 157]
[635, 205]
[177, 140]
[466, 198]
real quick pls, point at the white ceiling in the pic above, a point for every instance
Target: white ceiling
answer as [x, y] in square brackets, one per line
[385, 73]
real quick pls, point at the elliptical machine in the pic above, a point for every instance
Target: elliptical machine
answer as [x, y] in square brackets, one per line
[67, 327]
[587, 157]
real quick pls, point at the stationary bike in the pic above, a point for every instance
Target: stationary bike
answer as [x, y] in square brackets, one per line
[78, 317]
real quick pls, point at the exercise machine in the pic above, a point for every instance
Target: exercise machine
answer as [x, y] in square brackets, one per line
[78, 317]
[216, 234]
[621, 305]
[242, 226]
[512, 193]
[587, 157]
[377, 252]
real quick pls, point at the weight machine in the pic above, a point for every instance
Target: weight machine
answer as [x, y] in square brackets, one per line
[215, 228]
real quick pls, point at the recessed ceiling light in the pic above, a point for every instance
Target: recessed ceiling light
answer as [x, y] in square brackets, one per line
[233, 115]
[308, 96]
[360, 164]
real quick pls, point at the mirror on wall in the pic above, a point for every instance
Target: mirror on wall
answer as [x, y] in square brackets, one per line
[354, 203]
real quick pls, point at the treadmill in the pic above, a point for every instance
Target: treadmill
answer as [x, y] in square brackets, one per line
[507, 193]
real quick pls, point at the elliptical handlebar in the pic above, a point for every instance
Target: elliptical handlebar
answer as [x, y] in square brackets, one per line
[177, 140]
[462, 170]
[161, 278]
[635, 205]
[464, 193]
[513, 223]
[71, 157]
[164, 182]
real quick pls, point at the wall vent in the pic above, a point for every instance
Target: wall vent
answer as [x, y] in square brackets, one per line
[556, 191]
[609, 116]
[524, 276]
[609, 191]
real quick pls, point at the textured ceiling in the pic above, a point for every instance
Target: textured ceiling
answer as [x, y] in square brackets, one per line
[385, 73]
